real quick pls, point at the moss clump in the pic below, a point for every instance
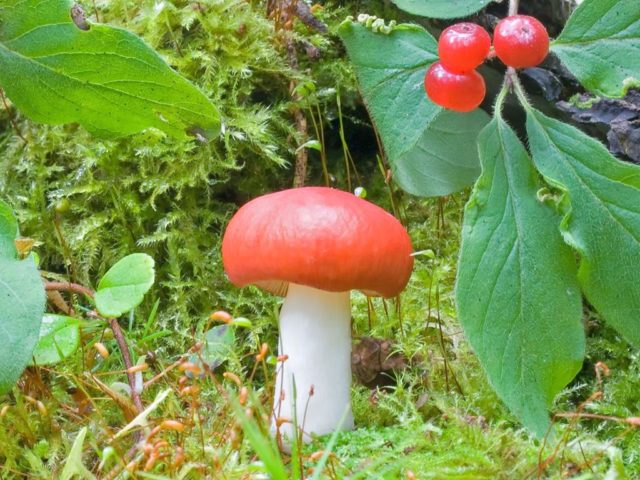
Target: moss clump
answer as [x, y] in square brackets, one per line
[152, 193]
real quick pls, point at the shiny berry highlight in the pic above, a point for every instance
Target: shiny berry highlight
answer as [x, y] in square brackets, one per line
[463, 47]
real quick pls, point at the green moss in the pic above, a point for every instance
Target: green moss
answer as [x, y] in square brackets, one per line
[151, 193]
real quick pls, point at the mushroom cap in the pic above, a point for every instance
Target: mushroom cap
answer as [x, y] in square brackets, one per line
[319, 237]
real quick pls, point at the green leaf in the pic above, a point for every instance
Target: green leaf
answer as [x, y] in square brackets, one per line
[59, 338]
[517, 294]
[431, 151]
[218, 346]
[73, 466]
[123, 287]
[8, 231]
[442, 8]
[22, 302]
[602, 216]
[104, 78]
[600, 44]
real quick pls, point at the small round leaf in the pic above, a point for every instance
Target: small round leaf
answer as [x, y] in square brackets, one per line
[123, 287]
[59, 338]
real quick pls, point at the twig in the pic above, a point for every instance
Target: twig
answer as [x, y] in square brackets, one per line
[69, 287]
[302, 155]
[55, 298]
[595, 416]
[126, 356]
[305, 14]
[11, 119]
[283, 13]
[513, 7]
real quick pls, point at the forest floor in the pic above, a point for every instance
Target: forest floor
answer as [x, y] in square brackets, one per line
[436, 417]
[433, 414]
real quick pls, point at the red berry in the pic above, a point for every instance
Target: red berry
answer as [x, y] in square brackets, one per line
[461, 92]
[463, 46]
[521, 41]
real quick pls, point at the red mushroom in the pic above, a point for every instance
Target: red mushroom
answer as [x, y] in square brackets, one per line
[314, 245]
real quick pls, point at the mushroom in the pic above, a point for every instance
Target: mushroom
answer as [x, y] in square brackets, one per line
[314, 245]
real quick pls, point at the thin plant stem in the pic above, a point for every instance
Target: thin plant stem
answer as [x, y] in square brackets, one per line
[117, 332]
[68, 287]
[126, 356]
[11, 119]
[513, 7]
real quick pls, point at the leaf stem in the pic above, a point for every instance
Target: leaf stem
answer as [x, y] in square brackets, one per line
[518, 89]
[11, 118]
[115, 327]
[68, 287]
[126, 356]
[500, 98]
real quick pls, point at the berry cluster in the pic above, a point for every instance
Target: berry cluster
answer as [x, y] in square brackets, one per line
[519, 41]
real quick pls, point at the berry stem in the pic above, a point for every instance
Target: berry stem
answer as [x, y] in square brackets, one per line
[513, 7]
[517, 87]
[500, 98]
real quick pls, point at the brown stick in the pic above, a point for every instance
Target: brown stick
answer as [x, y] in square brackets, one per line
[55, 298]
[68, 287]
[593, 416]
[283, 13]
[304, 13]
[11, 119]
[302, 155]
[126, 356]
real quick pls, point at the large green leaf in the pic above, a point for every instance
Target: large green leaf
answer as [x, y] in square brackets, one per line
[104, 78]
[517, 294]
[442, 8]
[21, 304]
[123, 287]
[602, 216]
[432, 151]
[600, 44]
[59, 338]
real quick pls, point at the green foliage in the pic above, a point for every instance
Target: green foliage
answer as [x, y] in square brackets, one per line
[421, 423]
[58, 70]
[74, 468]
[600, 44]
[264, 446]
[428, 147]
[59, 338]
[123, 287]
[8, 231]
[219, 345]
[21, 303]
[165, 197]
[602, 217]
[518, 298]
[517, 292]
[442, 8]
[170, 199]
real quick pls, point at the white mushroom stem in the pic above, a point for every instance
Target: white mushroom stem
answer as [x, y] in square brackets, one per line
[315, 334]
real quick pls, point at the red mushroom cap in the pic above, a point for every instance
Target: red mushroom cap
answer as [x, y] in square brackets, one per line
[319, 237]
